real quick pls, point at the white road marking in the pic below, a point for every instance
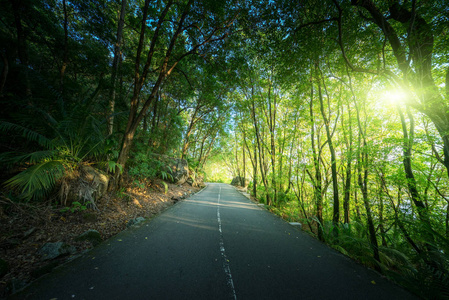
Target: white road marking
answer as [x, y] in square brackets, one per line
[226, 266]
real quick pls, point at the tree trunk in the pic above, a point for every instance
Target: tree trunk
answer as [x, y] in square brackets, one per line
[115, 64]
[347, 185]
[336, 211]
[136, 115]
[396, 213]
[65, 59]
[255, 173]
[253, 159]
[259, 147]
[447, 220]
[362, 167]
[381, 218]
[21, 44]
[407, 160]
[243, 180]
[317, 181]
[271, 120]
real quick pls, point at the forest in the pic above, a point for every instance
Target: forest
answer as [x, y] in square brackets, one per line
[337, 111]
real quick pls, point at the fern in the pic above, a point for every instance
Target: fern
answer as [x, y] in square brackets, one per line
[166, 175]
[113, 167]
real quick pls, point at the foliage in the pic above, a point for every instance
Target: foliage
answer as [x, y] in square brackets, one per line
[143, 166]
[76, 207]
[302, 97]
[60, 148]
[165, 187]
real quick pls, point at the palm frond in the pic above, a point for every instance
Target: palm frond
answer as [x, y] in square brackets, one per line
[11, 158]
[395, 258]
[29, 134]
[38, 180]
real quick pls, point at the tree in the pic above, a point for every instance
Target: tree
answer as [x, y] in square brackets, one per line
[184, 39]
[416, 68]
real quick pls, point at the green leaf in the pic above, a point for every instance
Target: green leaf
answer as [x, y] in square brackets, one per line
[38, 180]
[26, 132]
[113, 166]
[10, 158]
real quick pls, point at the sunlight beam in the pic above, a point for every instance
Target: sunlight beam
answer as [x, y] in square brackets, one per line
[394, 96]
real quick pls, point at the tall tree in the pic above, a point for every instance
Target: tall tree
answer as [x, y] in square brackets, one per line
[184, 39]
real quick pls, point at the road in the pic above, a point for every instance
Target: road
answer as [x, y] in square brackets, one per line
[214, 245]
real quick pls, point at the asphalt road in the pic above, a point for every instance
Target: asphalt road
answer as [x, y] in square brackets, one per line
[214, 245]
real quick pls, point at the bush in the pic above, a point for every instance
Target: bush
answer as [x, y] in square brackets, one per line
[143, 166]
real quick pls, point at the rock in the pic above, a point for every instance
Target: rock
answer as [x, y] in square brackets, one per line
[97, 179]
[135, 222]
[237, 181]
[54, 250]
[4, 268]
[201, 184]
[179, 170]
[91, 235]
[296, 224]
[199, 181]
[85, 186]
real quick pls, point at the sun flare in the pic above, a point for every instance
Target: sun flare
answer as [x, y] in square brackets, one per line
[394, 96]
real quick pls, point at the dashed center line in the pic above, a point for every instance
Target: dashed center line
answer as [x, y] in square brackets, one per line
[226, 266]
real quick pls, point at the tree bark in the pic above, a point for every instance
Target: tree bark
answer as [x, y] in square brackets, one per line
[362, 167]
[21, 43]
[115, 64]
[135, 116]
[65, 59]
[347, 184]
[407, 161]
[317, 181]
[272, 128]
[259, 147]
[243, 180]
[336, 210]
